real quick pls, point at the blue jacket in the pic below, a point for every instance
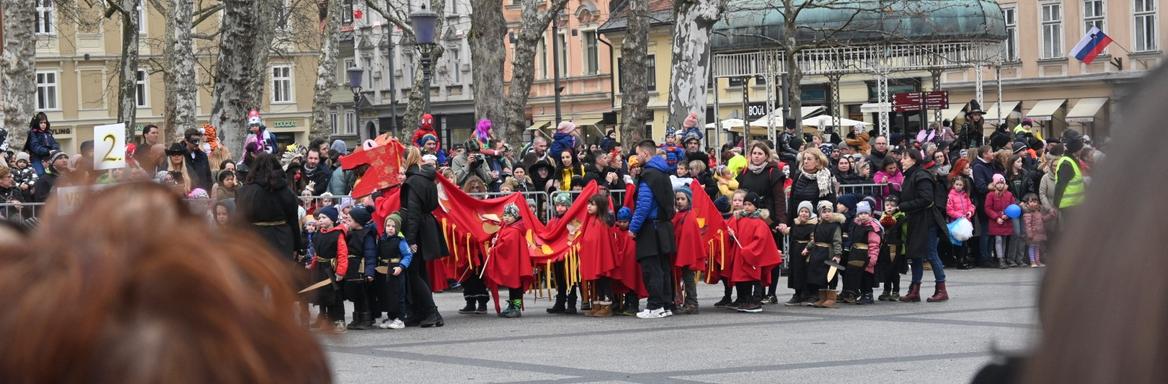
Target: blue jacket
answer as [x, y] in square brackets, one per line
[673, 155]
[562, 142]
[41, 144]
[370, 247]
[646, 207]
[983, 174]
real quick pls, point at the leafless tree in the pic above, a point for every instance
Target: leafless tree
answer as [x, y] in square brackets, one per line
[693, 22]
[397, 13]
[18, 69]
[634, 70]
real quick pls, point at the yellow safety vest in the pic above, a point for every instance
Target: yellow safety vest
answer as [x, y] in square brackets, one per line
[1073, 195]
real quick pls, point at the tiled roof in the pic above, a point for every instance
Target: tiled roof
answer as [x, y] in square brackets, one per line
[660, 13]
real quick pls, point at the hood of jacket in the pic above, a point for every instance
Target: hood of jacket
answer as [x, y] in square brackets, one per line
[427, 172]
[656, 162]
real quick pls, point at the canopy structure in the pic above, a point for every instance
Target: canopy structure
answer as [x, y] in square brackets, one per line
[728, 124]
[860, 37]
[832, 121]
[775, 118]
[1045, 109]
[1086, 110]
[1000, 111]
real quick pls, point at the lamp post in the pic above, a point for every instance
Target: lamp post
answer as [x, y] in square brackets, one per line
[424, 23]
[355, 75]
[556, 63]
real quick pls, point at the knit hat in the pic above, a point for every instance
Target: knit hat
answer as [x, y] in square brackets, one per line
[688, 192]
[566, 127]
[427, 138]
[396, 219]
[361, 215]
[253, 117]
[511, 210]
[1073, 140]
[691, 120]
[54, 155]
[998, 178]
[22, 156]
[754, 199]
[429, 159]
[824, 204]
[805, 205]
[427, 121]
[330, 212]
[693, 135]
[624, 214]
[471, 145]
[863, 207]
[871, 201]
[198, 194]
[1027, 122]
[562, 198]
[1018, 147]
[722, 204]
[339, 147]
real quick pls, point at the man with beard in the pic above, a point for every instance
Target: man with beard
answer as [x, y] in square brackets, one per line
[317, 172]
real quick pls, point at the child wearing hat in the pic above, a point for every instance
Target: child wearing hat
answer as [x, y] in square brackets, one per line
[23, 175]
[361, 241]
[392, 258]
[756, 256]
[565, 300]
[862, 255]
[509, 262]
[891, 262]
[331, 262]
[691, 255]
[1001, 227]
[800, 239]
[826, 244]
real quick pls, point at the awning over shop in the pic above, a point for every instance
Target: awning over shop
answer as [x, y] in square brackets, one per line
[1085, 110]
[1045, 109]
[777, 116]
[728, 124]
[1006, 107]
[953, 113]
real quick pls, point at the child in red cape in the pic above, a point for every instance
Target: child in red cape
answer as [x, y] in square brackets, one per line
[509, 263]
[691, 255]
[627, 272]
[726, 269]
[756, 256]
[597, 260]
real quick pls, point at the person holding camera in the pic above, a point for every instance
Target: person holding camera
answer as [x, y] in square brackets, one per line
[471, 162]
[198, 166]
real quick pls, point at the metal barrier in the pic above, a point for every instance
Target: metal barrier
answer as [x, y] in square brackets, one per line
[540, 200]
[21, 211]
[876, 191]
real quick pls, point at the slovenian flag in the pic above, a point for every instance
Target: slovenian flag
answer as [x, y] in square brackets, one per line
[1091, 45]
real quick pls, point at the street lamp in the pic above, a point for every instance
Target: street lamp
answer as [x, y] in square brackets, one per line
[424, 23]
[355, 74]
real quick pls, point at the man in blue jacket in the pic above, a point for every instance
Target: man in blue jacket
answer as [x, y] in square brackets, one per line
[652, 227]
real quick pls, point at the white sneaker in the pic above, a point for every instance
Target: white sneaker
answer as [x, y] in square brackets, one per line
[339, 326]
[396, 324]
[651, 314]
[384, 324]
[667, 313]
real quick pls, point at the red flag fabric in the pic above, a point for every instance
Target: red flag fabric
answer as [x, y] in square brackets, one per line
[384, 162]
[715, 241]
[627, 271]
[691, 251]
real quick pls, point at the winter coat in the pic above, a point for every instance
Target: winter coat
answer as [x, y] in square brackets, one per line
[768, 184]
[319, 177]
[1034, 223]
[271, 213]
[419, 198]
[959, 205]
[653, 211]
[561, 142]
[983, 174]
[806, 189]
[1046, 190]
[463, 169]
[895, 182]
[860, 143]
[199, 167]
[995, 207]
[339, 182]
[40, 145]
[673, 155]
[918, 201]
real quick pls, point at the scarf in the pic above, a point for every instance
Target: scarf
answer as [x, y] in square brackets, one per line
[756, 169]
[822, 179]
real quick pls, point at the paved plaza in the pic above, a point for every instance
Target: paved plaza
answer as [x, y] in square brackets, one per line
[881, 343]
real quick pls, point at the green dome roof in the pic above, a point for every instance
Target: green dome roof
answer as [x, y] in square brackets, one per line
[758, 24]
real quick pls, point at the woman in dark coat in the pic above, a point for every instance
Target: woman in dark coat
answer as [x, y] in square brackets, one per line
[926, 225]
[762, 177]
[812, 183]
[266, 205]
[419, 197]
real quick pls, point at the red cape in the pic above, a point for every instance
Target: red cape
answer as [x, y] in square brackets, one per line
[594, 248]
[691, 250]
[758, 253]
[509, 263]
[627, 271]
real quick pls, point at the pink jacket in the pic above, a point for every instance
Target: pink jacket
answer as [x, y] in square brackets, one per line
[873, 245]
[894, 181]
[959, 205]
[1034, 222]
[995, 207]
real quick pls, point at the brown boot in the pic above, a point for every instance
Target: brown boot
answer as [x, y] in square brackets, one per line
[829, 298]
[940, 294]
[592, 310]
[602, 309]
[822, 297]
[913, 295]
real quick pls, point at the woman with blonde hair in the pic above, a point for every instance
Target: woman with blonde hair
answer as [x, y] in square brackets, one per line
[176, 165]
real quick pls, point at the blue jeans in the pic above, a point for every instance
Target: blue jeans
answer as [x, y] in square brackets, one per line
[918, 266]
[39, 167]
[983, 251]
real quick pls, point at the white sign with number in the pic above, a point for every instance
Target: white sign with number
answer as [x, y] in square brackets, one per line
[109, 146]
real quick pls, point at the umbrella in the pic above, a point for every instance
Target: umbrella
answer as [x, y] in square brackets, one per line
[826, 121]
[728, 124]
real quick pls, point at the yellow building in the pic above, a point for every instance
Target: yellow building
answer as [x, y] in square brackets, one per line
[77, 74]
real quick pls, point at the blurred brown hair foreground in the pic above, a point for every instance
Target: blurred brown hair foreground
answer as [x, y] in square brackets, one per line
[1104, 303]
[132, 288]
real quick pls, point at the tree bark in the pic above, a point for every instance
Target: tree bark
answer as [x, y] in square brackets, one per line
[180, 82]
[487, 55]
[265, 32]
[791, 50]
[693, 22]
[18, 69]
[326, 68]
[128, 67]
[238, 82]
[634, 73]
[532, 26]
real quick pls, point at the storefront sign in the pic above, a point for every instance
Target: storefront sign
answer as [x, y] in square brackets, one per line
[284, 124]
[64, 131]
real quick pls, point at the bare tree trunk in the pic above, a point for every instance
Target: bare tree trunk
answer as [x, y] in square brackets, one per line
[693, 22]
[181, 57]
[487, 54]
[128, 68]
[18, 69]
[235, 73]
[532, 25]
[416, 104]
[634, 70]
[326, 68]
[791, 49]
[264, 32]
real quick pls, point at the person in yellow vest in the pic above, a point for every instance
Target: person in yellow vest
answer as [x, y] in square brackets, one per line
[1069, 186]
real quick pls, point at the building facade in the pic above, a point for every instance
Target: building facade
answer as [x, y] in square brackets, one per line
[377, 46]
[1041, 80]
[585, 60]
[77, 73]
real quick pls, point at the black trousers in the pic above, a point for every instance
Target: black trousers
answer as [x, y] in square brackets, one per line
[389, 298]
[355, 292]
[655, 272]
[561, 279]
[421, 298]
[603, 289]
[514, 294]
[474, 289]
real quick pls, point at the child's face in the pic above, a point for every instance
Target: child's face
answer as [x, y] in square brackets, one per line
[561, 209]
[622, 224]
[323, 221]
[592, 208]
[310, 227]
[959, 185]
[1032, 204]
[890, 169]
[682, 171]
[21, 164]
[749, 207]
[889, 206]
[682, 200]
[1000, 186]
[390, 227]
[804, 214]
[508, 219]
[825, 211]
[737, 202]
[505, 189]
[221, 215]
[864, 217]
[229, 182]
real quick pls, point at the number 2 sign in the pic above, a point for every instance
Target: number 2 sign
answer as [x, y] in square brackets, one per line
[109, 146]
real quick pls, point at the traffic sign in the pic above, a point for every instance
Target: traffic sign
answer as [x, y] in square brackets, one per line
[915, 101]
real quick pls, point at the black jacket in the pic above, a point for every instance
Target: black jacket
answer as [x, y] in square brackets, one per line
[261, 208]
[320, 176]
[769, 184]
[199, 168]
[419, 198]
[918, 198]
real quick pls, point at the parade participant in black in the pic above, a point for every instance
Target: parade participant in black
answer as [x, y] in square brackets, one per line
[919, 201]
[891, 263]
[331, 262]
[198, 165]
[800, 232]
[565, 301]
[812, 182]
[419, 197]
[653, 230]
[361, 238]
[763, 177]
[972, 131]
[826, 244]
[393, 258]
[266, 205]
[862, 255]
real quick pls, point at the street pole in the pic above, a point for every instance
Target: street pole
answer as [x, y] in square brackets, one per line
[426, 72]
[357, 114]
[392, 90]
[556, 64]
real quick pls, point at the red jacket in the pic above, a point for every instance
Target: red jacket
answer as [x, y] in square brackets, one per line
[959, 205]
[995, 207]
[758, 253]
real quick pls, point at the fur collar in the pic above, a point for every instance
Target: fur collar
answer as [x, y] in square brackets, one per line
[810, 221]
[832, 218]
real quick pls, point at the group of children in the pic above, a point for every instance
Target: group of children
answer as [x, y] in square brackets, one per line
[1015, 239]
